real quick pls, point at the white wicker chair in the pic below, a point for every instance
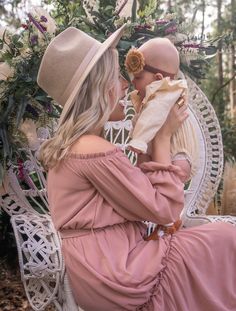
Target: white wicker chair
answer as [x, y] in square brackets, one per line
[41, 264]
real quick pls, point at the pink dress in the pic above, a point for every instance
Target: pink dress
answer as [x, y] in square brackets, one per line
[98, 201]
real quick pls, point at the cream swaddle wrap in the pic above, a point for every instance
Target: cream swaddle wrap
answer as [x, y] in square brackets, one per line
[160, 97]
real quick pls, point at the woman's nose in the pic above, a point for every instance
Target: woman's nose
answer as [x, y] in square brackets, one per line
[124, 83]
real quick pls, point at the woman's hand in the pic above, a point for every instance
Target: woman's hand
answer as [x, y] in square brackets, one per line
[161, 142]
[177, 115]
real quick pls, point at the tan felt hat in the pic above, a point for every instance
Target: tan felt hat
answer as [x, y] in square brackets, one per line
[68, 60]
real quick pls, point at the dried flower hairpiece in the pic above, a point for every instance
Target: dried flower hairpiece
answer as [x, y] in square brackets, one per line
[134, 61]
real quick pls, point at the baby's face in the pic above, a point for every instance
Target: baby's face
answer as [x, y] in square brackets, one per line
[141, 80]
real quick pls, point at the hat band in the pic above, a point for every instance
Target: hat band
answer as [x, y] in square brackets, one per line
[78, 73]
[156, 70]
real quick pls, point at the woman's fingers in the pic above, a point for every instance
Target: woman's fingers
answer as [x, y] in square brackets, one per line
[176, 110]
[184, 116]
[182, 113]
[177, 115]
[181, 100]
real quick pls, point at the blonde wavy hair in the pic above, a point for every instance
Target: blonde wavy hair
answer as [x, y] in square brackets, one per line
[90, 111]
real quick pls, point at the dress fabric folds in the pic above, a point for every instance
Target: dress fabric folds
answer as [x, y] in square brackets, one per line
[98, 202]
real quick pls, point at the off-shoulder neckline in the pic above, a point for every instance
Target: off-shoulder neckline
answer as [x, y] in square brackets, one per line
[76, 155]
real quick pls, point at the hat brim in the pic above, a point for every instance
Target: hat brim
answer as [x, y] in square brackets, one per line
[111, 41]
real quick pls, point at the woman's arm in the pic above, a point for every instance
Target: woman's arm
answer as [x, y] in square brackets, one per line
[152, 192]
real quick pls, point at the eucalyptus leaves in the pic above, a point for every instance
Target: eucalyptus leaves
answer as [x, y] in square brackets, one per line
[20, 96]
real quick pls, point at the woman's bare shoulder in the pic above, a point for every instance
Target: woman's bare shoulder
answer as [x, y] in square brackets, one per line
[91, 144]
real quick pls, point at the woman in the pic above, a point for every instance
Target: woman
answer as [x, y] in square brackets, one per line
[98, 200]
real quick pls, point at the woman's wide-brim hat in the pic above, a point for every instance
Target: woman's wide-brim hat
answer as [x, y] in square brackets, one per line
[67, 62]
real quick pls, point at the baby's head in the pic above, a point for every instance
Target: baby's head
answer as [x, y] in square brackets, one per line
[154, 60]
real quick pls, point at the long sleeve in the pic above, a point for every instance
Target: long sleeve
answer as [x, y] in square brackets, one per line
[154, 193]
[184, 164]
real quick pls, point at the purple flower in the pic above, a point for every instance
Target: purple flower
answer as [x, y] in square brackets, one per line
[191, 45]
[161, 22]
[141, 27]
[171, 30]
[40, 27]
[43, 19]
[43, 27]
[49, 108]
[21, 174]
[147, 26]
[34, 40]
[32, 110]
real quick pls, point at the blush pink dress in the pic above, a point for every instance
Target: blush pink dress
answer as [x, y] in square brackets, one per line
[98, 202]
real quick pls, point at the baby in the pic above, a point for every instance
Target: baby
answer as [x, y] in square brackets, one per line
[153, 69]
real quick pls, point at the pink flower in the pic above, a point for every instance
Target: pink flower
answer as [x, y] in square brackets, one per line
[161, 22]
[171, 29]
[21, 174]
[25, 26]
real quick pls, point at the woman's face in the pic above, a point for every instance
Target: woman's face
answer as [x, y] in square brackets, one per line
[122, 88]
[118, 111]
[124, 85]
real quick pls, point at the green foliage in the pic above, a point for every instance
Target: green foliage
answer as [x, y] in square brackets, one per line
[147, 9]
[20, 96]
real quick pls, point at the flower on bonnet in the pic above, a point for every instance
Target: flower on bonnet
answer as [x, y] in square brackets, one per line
[134, 61]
